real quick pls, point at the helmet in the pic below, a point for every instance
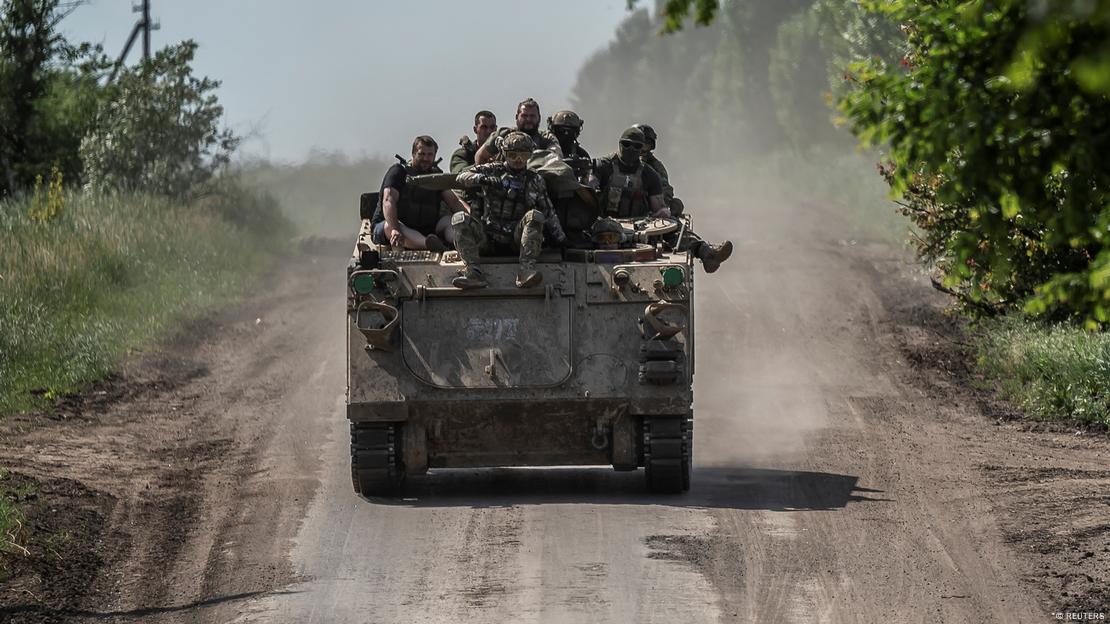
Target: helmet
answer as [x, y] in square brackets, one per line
[565, 118]
[649, 134]
[517, 142]
[607, 233]
[633, 134]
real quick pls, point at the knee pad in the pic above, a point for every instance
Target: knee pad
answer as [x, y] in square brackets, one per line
[533, 217]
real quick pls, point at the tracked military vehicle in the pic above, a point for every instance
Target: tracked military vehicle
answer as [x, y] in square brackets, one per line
[592, 367]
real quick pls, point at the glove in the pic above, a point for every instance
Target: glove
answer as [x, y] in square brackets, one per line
[486, 179]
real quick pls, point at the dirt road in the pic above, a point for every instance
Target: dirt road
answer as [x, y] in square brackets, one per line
[843, 473]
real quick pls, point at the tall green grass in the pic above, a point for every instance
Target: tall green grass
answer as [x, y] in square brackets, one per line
[112, 272]
[12, 533]
[1051, 372]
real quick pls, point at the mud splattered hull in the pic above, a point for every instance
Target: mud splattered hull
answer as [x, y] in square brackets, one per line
[593, 367]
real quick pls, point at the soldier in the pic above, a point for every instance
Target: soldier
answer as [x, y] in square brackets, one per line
[407, 216]
[485, 124]
[565, 126]
[517, 212]
[630, 189]
[575, 214]
[528, 122]
[648, 157]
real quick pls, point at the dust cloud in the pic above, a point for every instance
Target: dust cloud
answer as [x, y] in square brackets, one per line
[787, 187]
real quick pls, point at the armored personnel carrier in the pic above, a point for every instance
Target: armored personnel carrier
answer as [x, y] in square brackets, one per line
[593, 367]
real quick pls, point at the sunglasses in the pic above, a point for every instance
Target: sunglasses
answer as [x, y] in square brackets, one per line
[515, 155]
[632, 144]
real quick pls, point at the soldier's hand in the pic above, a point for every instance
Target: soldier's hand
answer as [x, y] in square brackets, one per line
[486, 179]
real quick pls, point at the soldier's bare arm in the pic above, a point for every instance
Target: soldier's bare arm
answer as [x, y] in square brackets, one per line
[390, 197]
[454, 202]
[658, 206]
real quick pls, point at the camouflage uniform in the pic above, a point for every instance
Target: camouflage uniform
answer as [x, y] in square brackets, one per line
[516, 215]
[464, 156]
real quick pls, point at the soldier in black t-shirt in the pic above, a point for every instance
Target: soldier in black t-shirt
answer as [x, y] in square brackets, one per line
[407, 216]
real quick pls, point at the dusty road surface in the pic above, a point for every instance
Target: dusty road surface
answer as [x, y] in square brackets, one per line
[842, 474]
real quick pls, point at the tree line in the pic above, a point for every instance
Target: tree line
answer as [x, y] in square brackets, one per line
[991, 116]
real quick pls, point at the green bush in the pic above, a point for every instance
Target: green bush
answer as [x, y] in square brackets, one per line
[110, 272]
[1050, 371]
[160, 133]
[996, 127]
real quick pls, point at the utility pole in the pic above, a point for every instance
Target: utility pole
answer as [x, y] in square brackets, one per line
[145, 26]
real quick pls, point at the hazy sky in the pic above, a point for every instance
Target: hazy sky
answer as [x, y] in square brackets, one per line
[367, 76]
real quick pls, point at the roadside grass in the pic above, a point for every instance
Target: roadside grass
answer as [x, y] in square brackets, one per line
[12, 534]
[1055, 372]
[109, 273]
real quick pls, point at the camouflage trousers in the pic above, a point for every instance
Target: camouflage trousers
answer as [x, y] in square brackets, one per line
[689, 241]
[474, 238]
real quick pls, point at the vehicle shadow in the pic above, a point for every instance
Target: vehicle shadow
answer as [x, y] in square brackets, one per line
[713, 487]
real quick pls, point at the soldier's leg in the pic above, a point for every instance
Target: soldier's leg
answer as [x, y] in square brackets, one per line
[711, 256]
[445, 230]
[529, 236]
[470, 238]
[412, 238]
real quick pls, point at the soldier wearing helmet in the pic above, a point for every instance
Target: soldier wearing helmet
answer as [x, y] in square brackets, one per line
[517, 215]
[630, 189]
[566, 126]
[485, 124]
[648, 157]
[528, 122]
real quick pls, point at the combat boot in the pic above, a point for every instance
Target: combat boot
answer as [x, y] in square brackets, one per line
[712, 256]
[526, 275]
[471, 278]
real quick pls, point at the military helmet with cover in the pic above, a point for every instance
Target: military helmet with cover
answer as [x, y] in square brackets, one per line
[634, 135]
[649, 134]
[517, 142]
[607, 233]
[565, 118]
